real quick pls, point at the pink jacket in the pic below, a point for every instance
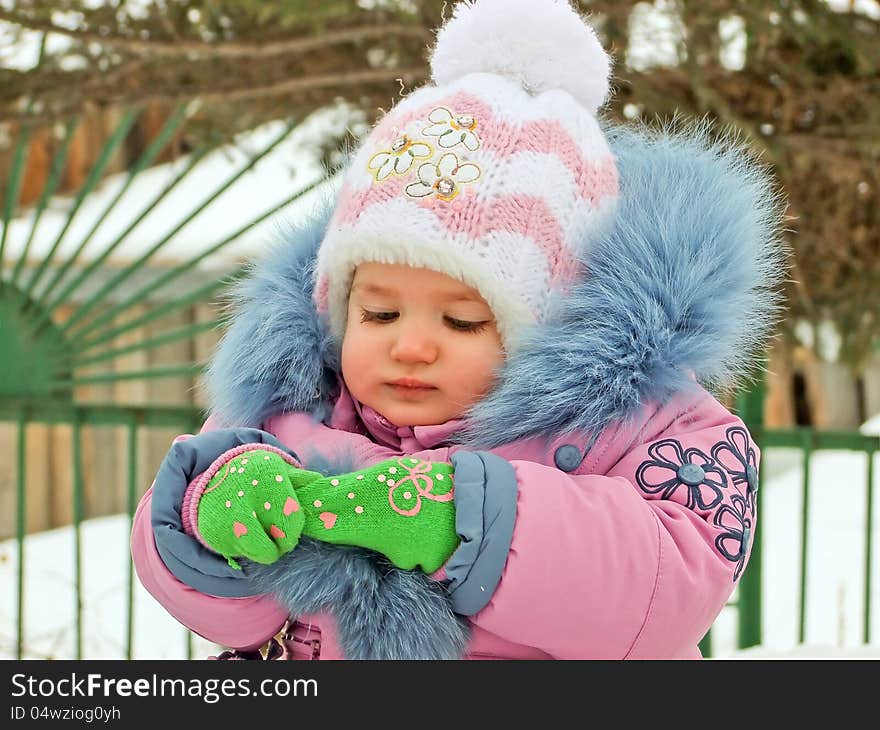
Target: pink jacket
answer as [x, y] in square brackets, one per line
[625, 556]
[631, 490]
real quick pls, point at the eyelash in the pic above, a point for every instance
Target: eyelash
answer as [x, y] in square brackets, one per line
[456, 324]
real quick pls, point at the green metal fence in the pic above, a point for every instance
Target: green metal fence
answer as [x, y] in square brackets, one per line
[747, 601]
[132, 420]
[75, 316]
[748, 598]
[48, 358]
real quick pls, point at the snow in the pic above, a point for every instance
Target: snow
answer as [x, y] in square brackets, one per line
[871, 8]
[50, 599]
[293, 165]
[835, 553]
[23, 54]
[835, 582]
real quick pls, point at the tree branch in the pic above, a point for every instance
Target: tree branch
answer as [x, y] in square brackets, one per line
[224, 49]
[290, 86]
[250, 91]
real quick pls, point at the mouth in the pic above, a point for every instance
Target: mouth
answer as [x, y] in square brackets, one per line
[410, 384]
[410, 388]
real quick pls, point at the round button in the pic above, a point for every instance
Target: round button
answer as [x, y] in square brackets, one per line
[752, 478]
[744, 545]
[568, 457]
[691, 474]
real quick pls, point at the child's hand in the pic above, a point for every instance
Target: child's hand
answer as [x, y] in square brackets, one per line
[249, 507]
[401, 508]
[259, 503]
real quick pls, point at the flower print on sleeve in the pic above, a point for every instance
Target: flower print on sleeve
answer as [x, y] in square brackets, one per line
[702, 481]
[686, 475]
[740, 458]
[733, 542]
[452, 129]
[443, 179]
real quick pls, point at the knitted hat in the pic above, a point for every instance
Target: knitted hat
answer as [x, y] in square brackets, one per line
[495, 174]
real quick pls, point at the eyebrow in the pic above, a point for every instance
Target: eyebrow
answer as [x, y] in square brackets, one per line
[446, 296]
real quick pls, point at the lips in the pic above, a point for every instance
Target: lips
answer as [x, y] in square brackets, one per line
[409, 389]
[410, 384]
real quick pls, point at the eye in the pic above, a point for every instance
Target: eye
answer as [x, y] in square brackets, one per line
[368, 316]
[462, 326]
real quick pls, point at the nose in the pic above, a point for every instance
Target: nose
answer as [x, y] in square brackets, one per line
[413, 344]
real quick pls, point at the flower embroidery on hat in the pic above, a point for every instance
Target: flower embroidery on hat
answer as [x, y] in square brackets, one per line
[399, 159]
[444, 178]
[452, 129]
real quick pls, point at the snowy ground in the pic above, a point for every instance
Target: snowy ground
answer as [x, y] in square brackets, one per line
[835, 582]
[50, 599]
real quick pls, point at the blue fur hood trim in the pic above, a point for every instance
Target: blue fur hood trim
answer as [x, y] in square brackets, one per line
[381, 612]
[683, 280]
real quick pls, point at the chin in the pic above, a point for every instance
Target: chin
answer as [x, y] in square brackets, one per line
[403, 416]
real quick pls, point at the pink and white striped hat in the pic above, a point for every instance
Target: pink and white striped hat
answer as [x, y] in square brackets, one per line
[495, 174]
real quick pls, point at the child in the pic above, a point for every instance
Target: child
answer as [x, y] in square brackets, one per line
[510, 312]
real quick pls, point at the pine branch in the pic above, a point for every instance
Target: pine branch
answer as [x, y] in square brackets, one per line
[290, 86]
[144, 94]
[224, 49]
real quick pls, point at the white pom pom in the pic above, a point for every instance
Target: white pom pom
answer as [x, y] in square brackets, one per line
[542, 44]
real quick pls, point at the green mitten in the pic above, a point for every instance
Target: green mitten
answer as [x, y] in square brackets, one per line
[401, 508]
[248, 506]
[258, 503]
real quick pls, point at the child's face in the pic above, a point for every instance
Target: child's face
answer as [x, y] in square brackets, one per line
[405, 322]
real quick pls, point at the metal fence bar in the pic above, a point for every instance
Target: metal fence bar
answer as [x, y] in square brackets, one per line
[749, 620]
[71, 325]
[869, 540]
[162, 371]
[173, 273]
[65, 295]
[171, 125]
[95, 174]
[48, 191]
[750, 408]
[13, 188]
[194, 297]
[182, 333]
[20, 516]
[77, 522]
[705, 644]
[98, 414]
[130, 504]
[805, 518]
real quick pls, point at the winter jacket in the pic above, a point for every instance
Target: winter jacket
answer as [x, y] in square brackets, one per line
[604, 498]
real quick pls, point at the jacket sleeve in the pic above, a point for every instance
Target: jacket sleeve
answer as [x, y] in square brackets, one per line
[196, 587]
[241, 623]
[193, 584]
[633, 563]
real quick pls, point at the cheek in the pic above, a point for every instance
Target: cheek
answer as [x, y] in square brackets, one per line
[357, 359]
[361, 353]
[483, 361]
